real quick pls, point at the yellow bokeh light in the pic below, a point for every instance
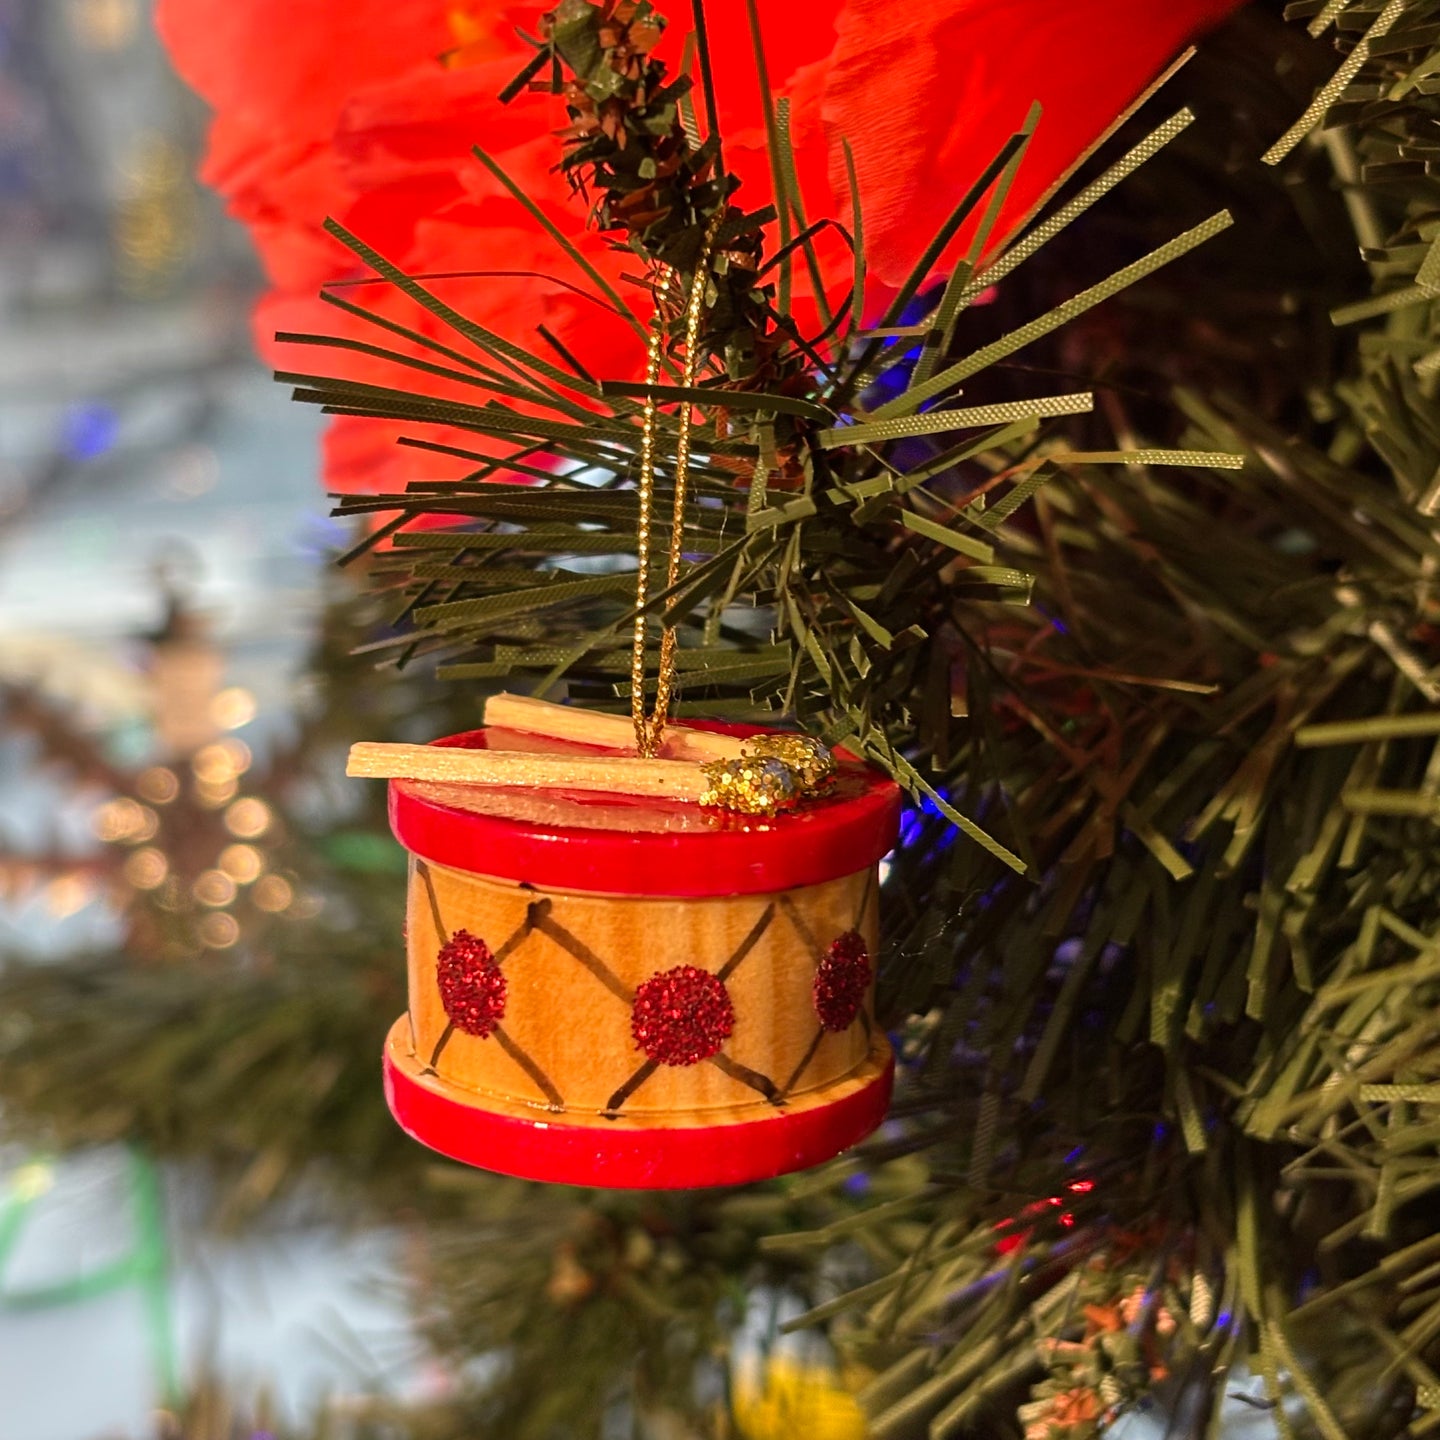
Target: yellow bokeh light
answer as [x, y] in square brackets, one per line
[214, 887]
[248, 818]
[219, 931]
[148, 827]
[242, 863]
[158, 785]
[67, 894]
[221, 762]
[214, 794]
[212, 764]
[117, 820]
[274, 893]
[146, 869]
[232, 708]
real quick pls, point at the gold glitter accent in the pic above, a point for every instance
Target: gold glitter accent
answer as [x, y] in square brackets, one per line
[812, 762]
[774, 773]
[753, 785]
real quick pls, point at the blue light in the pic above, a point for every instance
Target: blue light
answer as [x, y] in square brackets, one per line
[910, 827]
[89, 430]
[951, 832]
[1059, 625]
[912, 824]
[895, 379]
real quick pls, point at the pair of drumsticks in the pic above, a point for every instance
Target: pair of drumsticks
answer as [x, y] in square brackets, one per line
[680, 774]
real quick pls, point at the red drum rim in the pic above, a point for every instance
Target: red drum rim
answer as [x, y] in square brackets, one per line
[847, 831]
[620, 1155]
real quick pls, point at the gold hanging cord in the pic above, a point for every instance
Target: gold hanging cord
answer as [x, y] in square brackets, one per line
[650, 729]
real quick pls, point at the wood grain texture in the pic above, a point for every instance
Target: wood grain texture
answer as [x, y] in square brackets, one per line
[573, 723]
[572, 963]
[606, 774]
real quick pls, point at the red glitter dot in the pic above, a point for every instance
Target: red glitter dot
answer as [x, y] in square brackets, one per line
[842, 981]
[682, 1016]
[472, 989]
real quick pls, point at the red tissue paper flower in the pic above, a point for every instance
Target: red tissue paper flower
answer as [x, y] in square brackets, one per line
[366, 110]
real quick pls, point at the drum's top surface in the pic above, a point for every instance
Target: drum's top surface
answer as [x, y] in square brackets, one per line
[559, 839]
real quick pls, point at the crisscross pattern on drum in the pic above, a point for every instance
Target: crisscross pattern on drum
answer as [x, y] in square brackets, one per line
[762, 1084]
[535, 913]
[540, 919]
[818, 952]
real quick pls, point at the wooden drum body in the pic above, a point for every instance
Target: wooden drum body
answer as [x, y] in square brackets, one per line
[639, 993]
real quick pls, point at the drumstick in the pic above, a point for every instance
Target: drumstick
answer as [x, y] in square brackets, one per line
[614, 732]
[456, 765]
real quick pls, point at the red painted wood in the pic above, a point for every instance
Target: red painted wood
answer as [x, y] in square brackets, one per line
[624, 846]
[624, 1158]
